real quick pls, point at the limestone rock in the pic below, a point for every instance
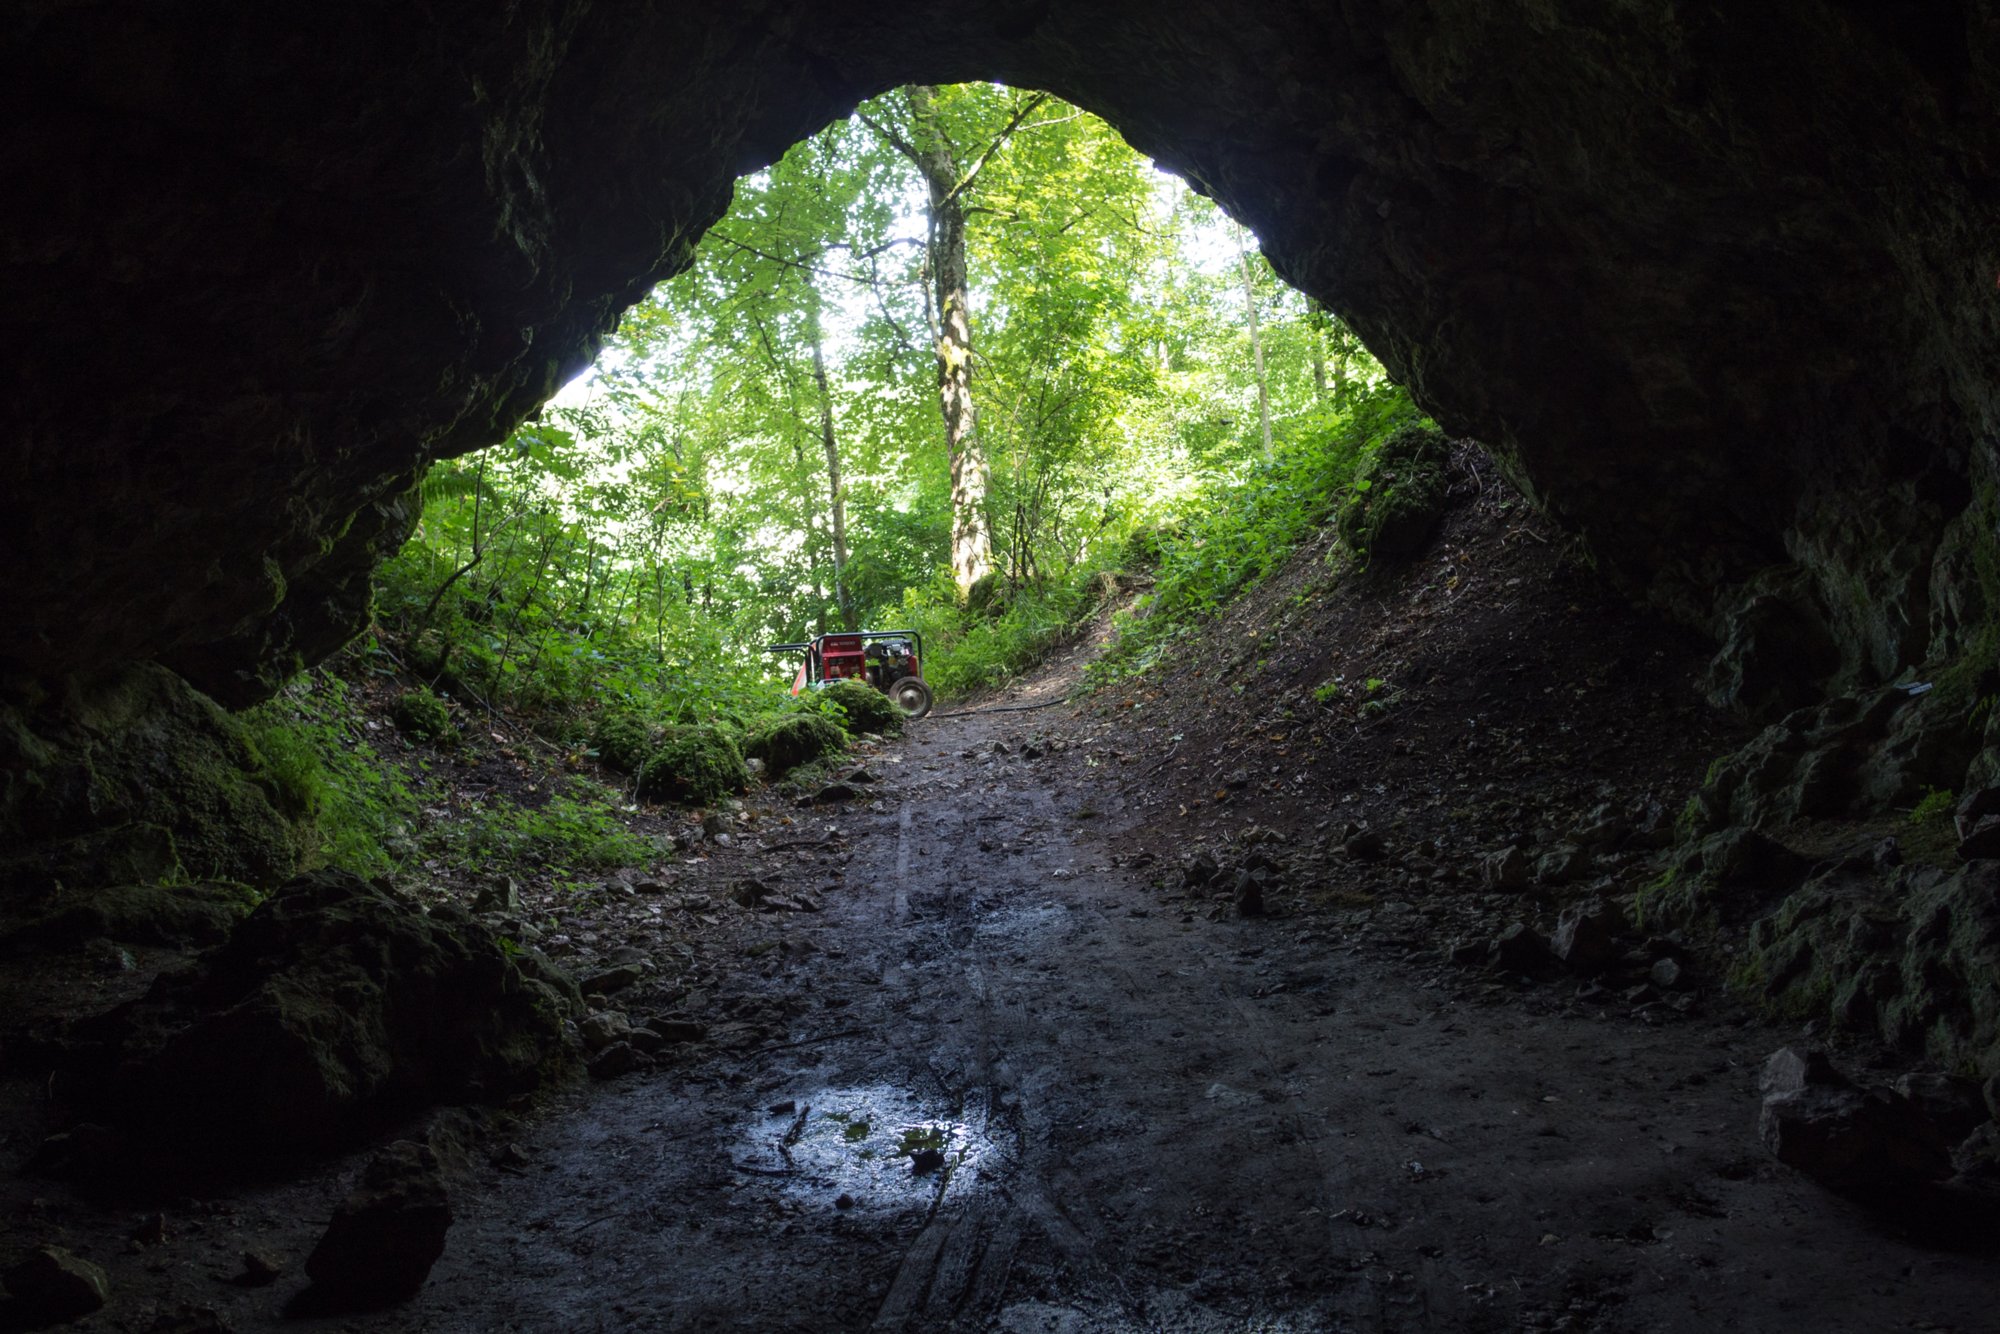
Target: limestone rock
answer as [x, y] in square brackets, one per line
[386, 1234]
[1522, 949]
[1872, 1144]
[51, 1286]
[334, 1008]
[131, 779]
[1586, 936]
[1911, 955]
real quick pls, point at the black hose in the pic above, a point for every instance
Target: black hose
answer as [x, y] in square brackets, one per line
[1001, 708]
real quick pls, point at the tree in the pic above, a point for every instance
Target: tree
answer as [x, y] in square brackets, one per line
[949, 173]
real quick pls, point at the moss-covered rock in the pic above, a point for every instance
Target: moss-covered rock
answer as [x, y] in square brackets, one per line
[422, 716]
[1402, 496]
[335, 1009]
[1857, 755]
[1911, 955]
[865, 708]
[623, 740]
[136, 778]
[180, 915]
[694, 766]
[788, 742]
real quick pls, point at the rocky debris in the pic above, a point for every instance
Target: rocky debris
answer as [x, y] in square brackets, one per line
[1199, 870]
[749, 893]
[1564, 864]
[1586, 936]
[50, 1286]
[1363, 843]
[1982, 838]
[1505, 869]
[603, 1029]
[1871, 1144]
[674, 1031]
[384, 1237]
[834, 792]
[190, 1318]
[611, 981]
[620, 1058]
[260, 1270]
[1522, 949]
[1247, 892]
[1667, 974]
[502, 895]
[335, 1008]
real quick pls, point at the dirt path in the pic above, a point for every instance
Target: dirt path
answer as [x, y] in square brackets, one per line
[1151, 1123]
[1147, 1120]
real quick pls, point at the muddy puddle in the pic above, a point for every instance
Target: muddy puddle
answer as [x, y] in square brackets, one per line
[872, 1148]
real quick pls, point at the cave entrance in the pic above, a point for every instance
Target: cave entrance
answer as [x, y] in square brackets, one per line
[945, 363]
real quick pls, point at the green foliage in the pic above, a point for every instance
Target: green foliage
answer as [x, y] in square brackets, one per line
[1936, 806]
[863, 707]
[1241, 530]
[783, 744]
[693, 766]
[572, 833]
[627, 556]
[313, 744]
[422, 716]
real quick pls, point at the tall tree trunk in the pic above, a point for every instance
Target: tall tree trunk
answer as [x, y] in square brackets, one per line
[1316, 340]
[834, 488]
[1256, 339]
[971, 539]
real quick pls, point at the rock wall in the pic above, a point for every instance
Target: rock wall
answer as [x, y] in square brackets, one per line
[1716, 281]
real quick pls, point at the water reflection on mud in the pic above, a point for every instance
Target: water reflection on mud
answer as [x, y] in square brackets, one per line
[874, 1147]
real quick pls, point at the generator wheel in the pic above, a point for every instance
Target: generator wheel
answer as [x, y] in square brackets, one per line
[912, 696]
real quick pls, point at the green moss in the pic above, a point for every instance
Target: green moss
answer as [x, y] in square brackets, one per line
[623, 740]
[786, 743]
[694, 766]
[1399, 500]
[865, 708]
[422, 716]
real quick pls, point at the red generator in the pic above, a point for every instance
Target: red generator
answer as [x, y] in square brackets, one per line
[889, 660]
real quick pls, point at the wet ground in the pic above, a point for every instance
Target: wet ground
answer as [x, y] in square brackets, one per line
[996, 1082]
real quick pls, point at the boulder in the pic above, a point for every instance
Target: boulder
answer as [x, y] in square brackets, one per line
[796, 739]
[385, 1235]
[1522, 949]
[50, 1286]
[335, 1008]
[1586, 936]
[1871, 1144]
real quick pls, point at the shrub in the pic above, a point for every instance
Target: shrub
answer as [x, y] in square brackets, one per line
[785, 743]
[694, 766]
[865, 708]
[422, 716]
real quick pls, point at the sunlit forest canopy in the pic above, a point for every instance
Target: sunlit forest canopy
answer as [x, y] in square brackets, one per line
[938, 366]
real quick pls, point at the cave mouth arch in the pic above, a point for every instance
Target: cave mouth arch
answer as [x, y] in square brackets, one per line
[1624, 251]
